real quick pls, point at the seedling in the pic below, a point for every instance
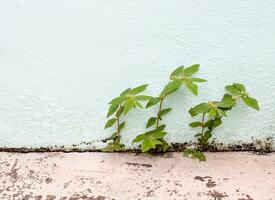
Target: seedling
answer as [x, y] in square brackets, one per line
[154, 139]
[129, 99]
[212, 113]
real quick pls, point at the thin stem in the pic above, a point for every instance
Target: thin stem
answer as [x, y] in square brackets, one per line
[202, 121]
[118, 125]
[160, 108]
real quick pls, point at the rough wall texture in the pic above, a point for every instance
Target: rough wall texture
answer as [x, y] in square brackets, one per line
[62, 61]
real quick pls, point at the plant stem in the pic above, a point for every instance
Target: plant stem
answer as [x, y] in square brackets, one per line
[160, 108]
[118, 125]
[202, 121]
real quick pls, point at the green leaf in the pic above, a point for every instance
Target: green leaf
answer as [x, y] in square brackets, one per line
[149, 144]
[170, 87]
[199, 80]
[138, 89]
[207, 135]
[129, 104]
[151, 122]
[125, 92]
[192, 87]
[198, 135]
[253, 103]
[221, 112]
[209, 123]
[226, 103]
[201, 108]
[119, 111]
[142, 97]
[122, 125]
[233, 89]
[195, 124]
[164, 111]
[177, 72]
[138, 104]
[189, 71]
[217, 122]
[212, 113]
[157, 135]
[118, 100]
[161, 128]
[153, 101]
[113, 136]
[239, 86]
[110, 123]
[113, 108]
[228, 98]
[139, 138]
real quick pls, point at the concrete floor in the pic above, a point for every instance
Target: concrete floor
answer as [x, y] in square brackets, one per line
[103, 176]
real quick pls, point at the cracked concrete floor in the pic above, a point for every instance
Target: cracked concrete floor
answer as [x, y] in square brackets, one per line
[103, 176]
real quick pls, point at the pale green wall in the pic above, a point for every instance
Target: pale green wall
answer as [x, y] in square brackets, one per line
[62, 61]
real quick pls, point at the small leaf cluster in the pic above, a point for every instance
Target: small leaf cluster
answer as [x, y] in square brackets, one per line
[213, 111]
[120, 106]
[154, 138]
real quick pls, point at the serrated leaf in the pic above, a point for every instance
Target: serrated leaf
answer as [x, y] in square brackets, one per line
[189, 71]
[170, 87]
[151, 122]
[153, 101]
[138, 89]
[195, 124]
[110, 123]
[192, 87]
[199, 80]
[112, 109]
[164, 111]
[128, 105]
[233, 89]
[142, 97]
[239, 86]
[177, 72]
[251, 102]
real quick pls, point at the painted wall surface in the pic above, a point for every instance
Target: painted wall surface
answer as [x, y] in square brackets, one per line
[62, 61]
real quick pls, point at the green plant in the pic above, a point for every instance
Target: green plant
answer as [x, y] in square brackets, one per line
[119, 106]
[154, 139]
[213, 111]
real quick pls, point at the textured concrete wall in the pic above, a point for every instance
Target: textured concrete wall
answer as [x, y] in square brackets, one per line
[62, 61]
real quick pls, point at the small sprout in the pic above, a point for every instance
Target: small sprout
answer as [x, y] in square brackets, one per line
[215, 112]
[129, 99]
[180, 76]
